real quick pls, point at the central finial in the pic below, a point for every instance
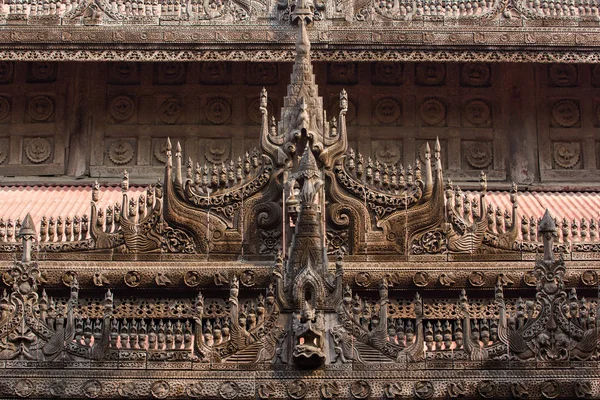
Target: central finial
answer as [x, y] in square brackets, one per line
[302, 12]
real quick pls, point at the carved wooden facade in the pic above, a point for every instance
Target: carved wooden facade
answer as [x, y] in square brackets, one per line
[301, 258]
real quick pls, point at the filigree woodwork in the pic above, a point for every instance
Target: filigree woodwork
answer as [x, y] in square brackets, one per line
[362, 291]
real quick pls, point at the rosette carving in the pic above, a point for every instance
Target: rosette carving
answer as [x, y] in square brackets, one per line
[38, 150]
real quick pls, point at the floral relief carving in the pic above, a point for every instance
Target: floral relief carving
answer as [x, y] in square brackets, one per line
[565, 113]
[123, 72]
[387, 73]
[42, 71]
[4, 149]
[7, 69]
[121, 108]
[38, 150]
[430, 74]
[432, 111]
[4, 108]
[478, 113]
[170, 73]
[170, 110]
[566, 154]
[120, 152]
[261, 73]
[478, 154]
[160, 151]
[475, 74]
[218, 111]
[342, 73]
[562, 75]
[214, 73]
[388, 111]
[217, 151]
[40, 108]
[387, 151]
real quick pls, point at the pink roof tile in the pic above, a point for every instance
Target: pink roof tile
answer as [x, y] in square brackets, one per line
[54, 201]
[69, 201]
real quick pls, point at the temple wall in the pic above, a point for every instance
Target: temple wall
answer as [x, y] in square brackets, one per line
[533, 124]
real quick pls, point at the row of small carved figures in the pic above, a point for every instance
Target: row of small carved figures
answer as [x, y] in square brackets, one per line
[205, 179]
[437, 7]
[382, 176]
[51, 230]
[475, 8]
[126, 8]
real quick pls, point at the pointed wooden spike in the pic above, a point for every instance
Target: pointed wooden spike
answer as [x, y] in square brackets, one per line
[27, 227]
